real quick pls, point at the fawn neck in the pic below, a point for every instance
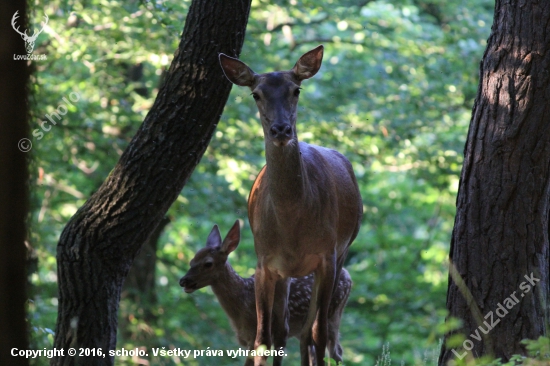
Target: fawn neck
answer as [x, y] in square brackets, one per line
[230, 289]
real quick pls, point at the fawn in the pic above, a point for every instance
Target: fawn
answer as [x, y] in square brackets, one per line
[210, 267]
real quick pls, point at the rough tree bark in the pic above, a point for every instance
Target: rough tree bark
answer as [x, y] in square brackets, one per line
[501, 225]
[14, 78]
[97, 246]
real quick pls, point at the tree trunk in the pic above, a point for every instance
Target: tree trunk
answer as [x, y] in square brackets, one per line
[501, 226]
[98, 244]
[14, 182]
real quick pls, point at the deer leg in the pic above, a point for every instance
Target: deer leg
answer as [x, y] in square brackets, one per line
[307, 350]
[249, 362]
[334, 348]
[326, 274]
[264, 284]
[339, 266]
[280, 318]
[249, 359]
[312, 356]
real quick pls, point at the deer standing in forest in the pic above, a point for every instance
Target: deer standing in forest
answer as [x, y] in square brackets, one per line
[236, 295]
[304, 208]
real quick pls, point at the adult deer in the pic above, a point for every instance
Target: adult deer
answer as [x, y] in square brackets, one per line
[210, 267]
[304, 208]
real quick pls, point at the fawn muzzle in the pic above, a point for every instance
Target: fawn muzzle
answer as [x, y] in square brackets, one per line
[188, 285]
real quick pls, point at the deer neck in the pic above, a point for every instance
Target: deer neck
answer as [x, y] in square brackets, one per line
[285, 172]
[231, 289]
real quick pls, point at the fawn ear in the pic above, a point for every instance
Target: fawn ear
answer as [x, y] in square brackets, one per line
[309, 63]
[214, 238]
[236, 71]
[232, 238]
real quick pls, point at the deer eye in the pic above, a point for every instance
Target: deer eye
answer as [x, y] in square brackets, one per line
[208, 265]
[297, 92]
[255, 96]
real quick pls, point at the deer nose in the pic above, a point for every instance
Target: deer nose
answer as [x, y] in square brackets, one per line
[283, 130]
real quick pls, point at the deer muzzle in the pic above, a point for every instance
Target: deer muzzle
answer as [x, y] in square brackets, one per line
[188, 285]
[281, 134]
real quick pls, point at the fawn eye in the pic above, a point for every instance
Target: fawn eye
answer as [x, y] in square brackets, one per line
[255, 96]
[208, 265]
[297, 92]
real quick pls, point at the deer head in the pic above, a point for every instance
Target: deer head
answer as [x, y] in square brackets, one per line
[29, 40]
[276, 93]
[209, 262]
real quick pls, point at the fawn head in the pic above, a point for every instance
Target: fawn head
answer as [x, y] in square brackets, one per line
[209, 262]
[276, 93]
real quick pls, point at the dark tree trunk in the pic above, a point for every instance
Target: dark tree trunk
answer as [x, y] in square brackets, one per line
[98, 244]
[501, 225]
[14, 78]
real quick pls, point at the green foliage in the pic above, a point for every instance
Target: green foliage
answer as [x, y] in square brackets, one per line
[538, 354]
[394, 95]
[429, 357]
[385, 358]
[332, 362]
[538, 348]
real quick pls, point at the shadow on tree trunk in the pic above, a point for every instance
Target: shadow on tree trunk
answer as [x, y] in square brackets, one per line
[500, 237]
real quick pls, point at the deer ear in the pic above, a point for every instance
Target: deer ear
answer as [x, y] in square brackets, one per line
[232, 238]
[236, 71]
[309, 63]
[214, 238]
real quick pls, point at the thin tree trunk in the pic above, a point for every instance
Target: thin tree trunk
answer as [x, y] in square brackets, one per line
[501, 226]
[138, 292]
[139, 286]
[98, 244]
[14, 204]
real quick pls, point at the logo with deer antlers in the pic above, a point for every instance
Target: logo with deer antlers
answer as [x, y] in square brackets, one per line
[29, 40]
